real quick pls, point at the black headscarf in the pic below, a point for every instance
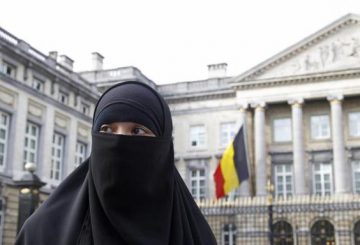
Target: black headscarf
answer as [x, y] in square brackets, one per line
[128, 191]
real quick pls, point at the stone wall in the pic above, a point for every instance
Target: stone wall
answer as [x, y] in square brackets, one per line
[10, 195]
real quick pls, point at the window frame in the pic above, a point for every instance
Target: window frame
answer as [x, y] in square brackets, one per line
[28, 139]
[64, 95]
[57, 162]
[275, 130]
[322, 172]
[196, 137]
[229, 132]
[78, 154]
[85, 108]
[5, 141]
[38, 81]
[197, 179]
[312, 128]
[285, 192]
[357, 134]
[355, 171]
[12, 66]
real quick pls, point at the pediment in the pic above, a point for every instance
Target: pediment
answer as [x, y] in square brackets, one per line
[335, 47]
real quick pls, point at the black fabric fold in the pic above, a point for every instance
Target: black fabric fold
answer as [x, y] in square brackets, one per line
[127, 192]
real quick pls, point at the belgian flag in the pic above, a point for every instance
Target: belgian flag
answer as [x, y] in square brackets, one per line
[233, 166]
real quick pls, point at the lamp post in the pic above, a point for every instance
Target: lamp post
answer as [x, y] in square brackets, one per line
[270, 190]
[29, 186]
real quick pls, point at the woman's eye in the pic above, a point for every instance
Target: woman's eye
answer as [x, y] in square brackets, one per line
[139, 131]
[105, 129]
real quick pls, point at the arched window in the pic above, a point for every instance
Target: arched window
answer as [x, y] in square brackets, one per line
[229, 235]
[322, 233]
[283, 233]
[357, 233]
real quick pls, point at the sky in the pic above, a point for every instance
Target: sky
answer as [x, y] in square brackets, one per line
[169, 40]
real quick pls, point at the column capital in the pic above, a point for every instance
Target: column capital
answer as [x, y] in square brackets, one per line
[335, 98]
[243, 105]
[258, 105]
[296, 102]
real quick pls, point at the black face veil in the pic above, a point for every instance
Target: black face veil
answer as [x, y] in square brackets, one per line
[128, 191]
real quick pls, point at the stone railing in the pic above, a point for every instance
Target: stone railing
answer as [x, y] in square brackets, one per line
[33, 52]
[212, 84]
[8, 37]
[113, 74]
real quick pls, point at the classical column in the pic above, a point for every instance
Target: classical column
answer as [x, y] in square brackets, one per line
[260, 148]
[298, 145]
[244, 186]
[340, 165]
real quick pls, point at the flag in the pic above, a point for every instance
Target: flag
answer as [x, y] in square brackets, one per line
[233, 166]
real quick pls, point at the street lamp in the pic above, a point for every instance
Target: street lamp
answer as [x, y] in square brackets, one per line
[29, 186]
[270, 190]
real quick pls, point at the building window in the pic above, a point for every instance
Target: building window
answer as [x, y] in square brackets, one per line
[57, 156]
[197, 136]
[282, 130]
[283, 180]
[32, 134]
[38, 84]
[322, 232]
[85, 108]
[229, 234]
[323, 183]
[354, 124]
[283, 233]
[198, 183]
[8, 69]
[320, 127]
[227, 133]
[80, 153]
[63, 97]
[4, 131]
[356, 175]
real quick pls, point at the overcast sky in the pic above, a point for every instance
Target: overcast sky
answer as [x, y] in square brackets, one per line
[168, 40]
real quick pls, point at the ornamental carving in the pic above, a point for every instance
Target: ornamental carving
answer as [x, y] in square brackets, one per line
[336, 54]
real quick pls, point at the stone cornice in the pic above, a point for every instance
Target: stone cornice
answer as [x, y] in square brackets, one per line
[200, 96]
[18, 54]
[44, 97]
[204, 110]
[295, 49]
[298, 79]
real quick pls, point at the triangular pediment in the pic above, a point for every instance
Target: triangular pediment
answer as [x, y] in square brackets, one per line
[333, 48]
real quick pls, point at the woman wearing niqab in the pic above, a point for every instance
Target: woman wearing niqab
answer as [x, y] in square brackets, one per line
[128, 191]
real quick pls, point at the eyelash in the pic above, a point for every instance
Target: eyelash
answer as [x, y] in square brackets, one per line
[105, 129]
[139, 128]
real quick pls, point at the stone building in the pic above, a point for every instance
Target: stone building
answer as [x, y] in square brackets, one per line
[300, 110]
[45, 118]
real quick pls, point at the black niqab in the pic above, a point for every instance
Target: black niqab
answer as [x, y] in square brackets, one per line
[128, 191]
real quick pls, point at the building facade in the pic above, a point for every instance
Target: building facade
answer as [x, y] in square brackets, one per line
[300, 110]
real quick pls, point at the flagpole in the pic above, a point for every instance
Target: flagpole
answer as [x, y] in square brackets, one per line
[243, 110]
